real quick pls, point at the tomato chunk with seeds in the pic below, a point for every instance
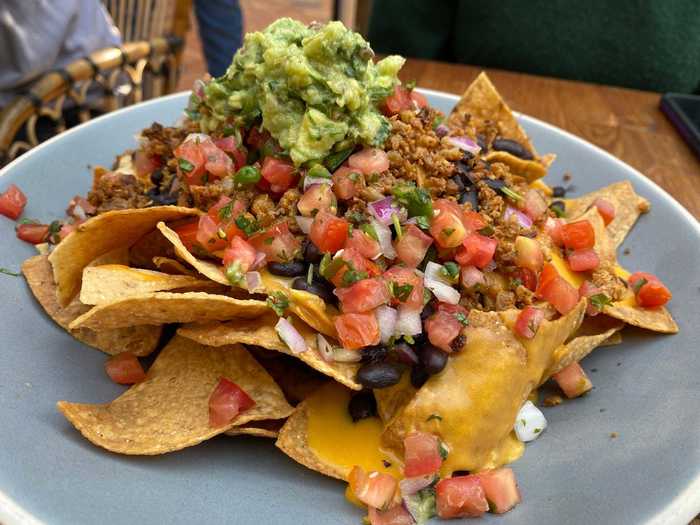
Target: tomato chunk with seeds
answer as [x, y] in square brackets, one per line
[560, 294]
[363, 243]
[649, 291]
[401, 276]
[12, 202]
[445, 325]
[578, 235]
[316, 198]
[187, 232]
[606, 209]
[421, 454]
[375, 489]
[328, 232]
[363, 296]
[583, 260]
[279, 174]
[125, 369]
[476, 250]
[346, 182]
[33, 233]
[461, 497]
[398, 101]
[573, 380]
[447, 225]
[528, 322]
[500, 488]
[369, 161]
[226, 402]
[239, 258]
[356, 331]
[277, 243]
[396, 515]
[191, 162]
[412, 246]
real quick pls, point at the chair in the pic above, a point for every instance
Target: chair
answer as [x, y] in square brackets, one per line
[146, 66]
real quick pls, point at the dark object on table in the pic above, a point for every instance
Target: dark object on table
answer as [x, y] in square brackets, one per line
[684, 113]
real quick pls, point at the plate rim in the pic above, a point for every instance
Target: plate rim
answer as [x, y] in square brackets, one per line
[683, 508]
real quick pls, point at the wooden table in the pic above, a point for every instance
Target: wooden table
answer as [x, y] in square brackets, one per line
[625, 122]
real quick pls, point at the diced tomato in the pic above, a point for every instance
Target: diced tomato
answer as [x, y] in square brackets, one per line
[33, 233]
[606, 209]
[12, 202]
[257, 138]
[500, 488]
[125, 369]
[421, 454]
[396, 515]
[369, 161]
[355, 261]
[560, 294]
[280, 174]
[578, 235]
[447, 225]
[191, 162]
[239, 258]
[356, 331]
[188, 233]
[398, 101]
[226, 402]
[651, 293]
[79, 208]
[70, 228]
[363, 296]
[473, 221]
[476, 250]
[586, 290]
[444, 326]
[419, 99]
[583, 260]
[145, 164]
[406, 276]
[375, 489]
[277, 243]
[471, 276]
[218, 163]
[329, 232]
[528, 322]
[225, 213]
[553, 227]
[528, 253]
[527, 277]
[549, 273]
[412, 246]
[573, 380]
[461, 497]
[345, 183]
[209, 235]
[237, 152]
[319, 197]
[535, 206]
[364, 244]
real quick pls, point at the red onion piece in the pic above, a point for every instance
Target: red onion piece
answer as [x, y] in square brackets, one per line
[291, 337]
[259, 261]
[442, 130]
[386, 317]
[384, 209]
[412, 485]
[304, 223]
[465, 144]
[523, 220]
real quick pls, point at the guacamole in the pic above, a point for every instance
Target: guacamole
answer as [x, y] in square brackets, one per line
[315, 88]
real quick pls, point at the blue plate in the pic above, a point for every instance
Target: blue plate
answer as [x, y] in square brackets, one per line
[649, 386]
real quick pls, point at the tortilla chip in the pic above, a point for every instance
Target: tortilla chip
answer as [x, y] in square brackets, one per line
[169, 410]
[594, 331]
[100, 235]
[614, 339]
[165, 307]
[206, 268]
[654, 319]
[391, 400]
[113, 282]
[269, 428]
[171, 266]
[140, 340]
[261, 332]
[628, 207]
[147, 248]
[119, 255]
[531, 170]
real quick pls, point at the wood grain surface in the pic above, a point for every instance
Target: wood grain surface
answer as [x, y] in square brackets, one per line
[625, 122]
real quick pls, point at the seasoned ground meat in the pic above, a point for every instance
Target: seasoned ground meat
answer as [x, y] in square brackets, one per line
[605, 278]
[287, 205]
[204, 197]
[161, 140]
[117, 191]
[264, 209]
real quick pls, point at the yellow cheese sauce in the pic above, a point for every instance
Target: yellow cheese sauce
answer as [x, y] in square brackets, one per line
[338, 441]
[539, 184]
[574, 278]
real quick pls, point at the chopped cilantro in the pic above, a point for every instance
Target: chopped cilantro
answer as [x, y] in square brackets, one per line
[537, 430]
[329, 267]
[462, 318]
[444, 451]
[226, 211]
[247, 225]
[636, 286]
[279, 302]
[185, 165]
[416, 200]
[400, 291]
[508, 192]
[310, 274]
[437, 417]
[9, 272]
[370, 231]
[268, 240]
[600, 300]
[355, 217]
[351, 276]
[317, 171]
[514, 283]
[450, 272]
[422, 222]
[446, 232]
[523, 422]
[409, 339]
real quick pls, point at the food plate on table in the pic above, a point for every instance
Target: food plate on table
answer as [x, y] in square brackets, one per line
[378, 278]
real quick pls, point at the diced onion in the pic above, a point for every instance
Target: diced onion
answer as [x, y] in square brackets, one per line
[304, 223]
[529, 423]
[254, 282]
[386, 318]
[260, 258]
[291, 337]
[523, 220]
[384, 238]
[201, 137]
[310, 181]
[471, 276]
[384, 210]
[465, 144]
[412, 485]
[325, 349]
[335, 354]
[438, 285]
[408, 322]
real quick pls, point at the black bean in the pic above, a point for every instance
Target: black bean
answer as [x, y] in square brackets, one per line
[458, 182]
[161, 199]
[558, 192]
[458, 473]
[287, 269]
[432, 358]
[378, 375]
[481, 141]
[362, 405]
[157, 177]
[558, 207]
[428, 310]
[494, 184]
[513, 147]
[374, 354]
[320, 288]
[311, 254]
[418, 376]
[403, 353]
[470, 196]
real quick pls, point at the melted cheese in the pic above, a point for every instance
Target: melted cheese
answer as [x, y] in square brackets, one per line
[574, 278]
[340, 442]
[539, 184]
